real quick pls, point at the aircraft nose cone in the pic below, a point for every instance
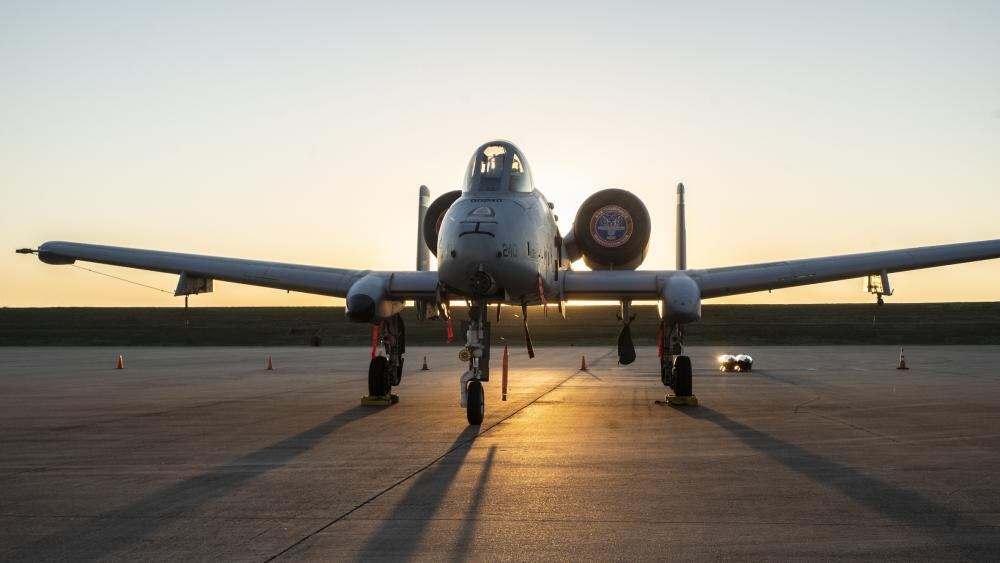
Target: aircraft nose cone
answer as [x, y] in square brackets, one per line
[471, 264]
[360, 308]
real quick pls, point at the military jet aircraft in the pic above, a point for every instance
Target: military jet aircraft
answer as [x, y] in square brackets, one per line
[497, 242]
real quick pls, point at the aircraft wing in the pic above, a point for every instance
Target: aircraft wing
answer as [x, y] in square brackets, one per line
[734, 280]
[719, 282]
[334, 282]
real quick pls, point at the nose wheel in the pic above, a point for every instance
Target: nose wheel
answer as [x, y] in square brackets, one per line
[475, 407]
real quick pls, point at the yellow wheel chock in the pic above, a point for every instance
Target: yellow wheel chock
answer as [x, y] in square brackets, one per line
[679, 401]
[380, 401]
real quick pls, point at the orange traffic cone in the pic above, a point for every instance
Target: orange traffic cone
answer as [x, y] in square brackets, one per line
[121, 362]
[425, 368]
[902, 360]
[270, 366]
[583, 363]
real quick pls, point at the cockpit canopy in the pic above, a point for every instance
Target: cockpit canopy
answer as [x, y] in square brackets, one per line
[498, 166]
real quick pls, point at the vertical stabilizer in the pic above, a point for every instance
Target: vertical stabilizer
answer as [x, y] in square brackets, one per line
[681, 234]
[425, 309]
[423, 252]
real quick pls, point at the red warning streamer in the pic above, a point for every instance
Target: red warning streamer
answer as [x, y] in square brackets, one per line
[659, 343]
[506, 361]
[541, 295]
[374, 339]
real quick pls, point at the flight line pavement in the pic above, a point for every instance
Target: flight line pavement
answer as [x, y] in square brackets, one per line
[202, 454]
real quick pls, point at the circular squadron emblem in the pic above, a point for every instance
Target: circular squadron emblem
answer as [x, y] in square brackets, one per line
[611, 226]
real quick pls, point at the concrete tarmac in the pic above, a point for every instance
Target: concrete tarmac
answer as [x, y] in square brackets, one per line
[195, 454]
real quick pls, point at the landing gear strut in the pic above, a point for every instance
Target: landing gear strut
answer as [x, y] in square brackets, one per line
[675, 368]
[477, 352]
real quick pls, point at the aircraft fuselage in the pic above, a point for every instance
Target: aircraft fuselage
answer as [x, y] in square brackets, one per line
[494, 247]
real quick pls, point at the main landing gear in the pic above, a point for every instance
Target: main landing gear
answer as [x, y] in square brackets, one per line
[477, 353]
[386, 372]
[675, 368]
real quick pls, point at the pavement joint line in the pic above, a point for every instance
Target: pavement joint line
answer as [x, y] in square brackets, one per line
[986, 477]
[856, 427]
[168, 517]
[279, 519]
[800, 405]
[124, 417]
[428, 465]
[846, 524]
[71, 465]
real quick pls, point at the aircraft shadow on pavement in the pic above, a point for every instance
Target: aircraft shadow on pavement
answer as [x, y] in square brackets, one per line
[933, 520]
[115, 530]
[463, 544]
[421, 501]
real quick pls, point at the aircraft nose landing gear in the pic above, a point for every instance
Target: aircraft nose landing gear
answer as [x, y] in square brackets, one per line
[477, 353]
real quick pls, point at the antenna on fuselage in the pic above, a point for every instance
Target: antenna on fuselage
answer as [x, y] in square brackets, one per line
[681, 234]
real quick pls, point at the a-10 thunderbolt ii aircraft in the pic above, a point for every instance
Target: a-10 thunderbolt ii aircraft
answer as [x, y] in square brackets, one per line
[497, 242]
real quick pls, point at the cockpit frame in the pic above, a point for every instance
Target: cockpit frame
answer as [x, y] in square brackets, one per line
[498, 167]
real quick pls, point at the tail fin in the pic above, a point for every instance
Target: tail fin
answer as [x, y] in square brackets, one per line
[423, 252]
[681, 234]
[425, 309]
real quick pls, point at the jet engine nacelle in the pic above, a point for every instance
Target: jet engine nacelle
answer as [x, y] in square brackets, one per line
[367, 302]
[434, 217]
[610, 231]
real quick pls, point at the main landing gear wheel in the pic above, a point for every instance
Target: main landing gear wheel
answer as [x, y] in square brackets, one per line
[476, 407]
[378, 377]
[682, 376]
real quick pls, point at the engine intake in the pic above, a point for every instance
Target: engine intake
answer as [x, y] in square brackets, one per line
[435, 214]
[367, 301]
[611, 231]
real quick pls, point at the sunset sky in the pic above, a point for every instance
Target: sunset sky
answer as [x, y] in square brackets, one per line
[301, 131]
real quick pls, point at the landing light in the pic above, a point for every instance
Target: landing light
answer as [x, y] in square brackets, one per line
[737, 362]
